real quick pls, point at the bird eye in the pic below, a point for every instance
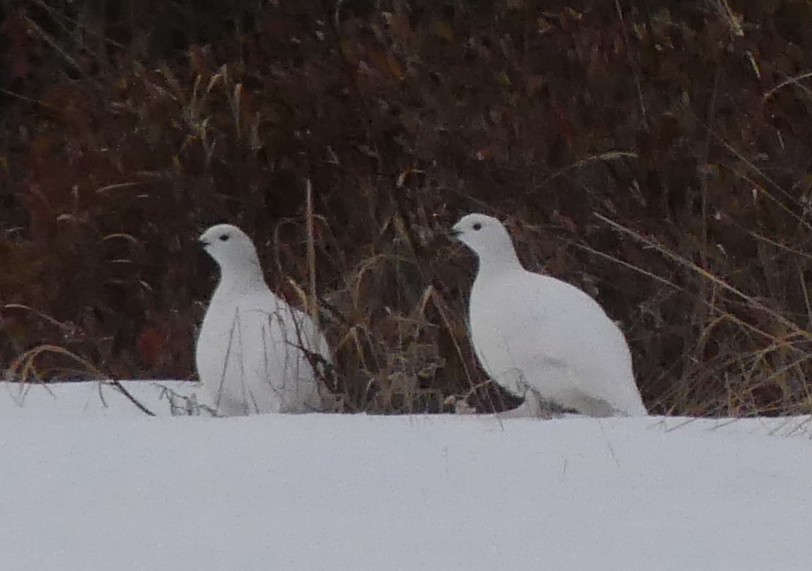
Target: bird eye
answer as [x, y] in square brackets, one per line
[477, 226]
[224, 237]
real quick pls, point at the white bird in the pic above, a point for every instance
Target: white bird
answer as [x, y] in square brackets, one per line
[542, 338]
[249, 350]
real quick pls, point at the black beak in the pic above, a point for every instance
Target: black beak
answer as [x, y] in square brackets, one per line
[454, 233]
[203, 243]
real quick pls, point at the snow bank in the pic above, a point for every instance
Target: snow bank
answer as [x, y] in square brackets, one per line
[88, 487]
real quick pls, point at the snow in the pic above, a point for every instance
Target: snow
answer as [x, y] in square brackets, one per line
[92, 487]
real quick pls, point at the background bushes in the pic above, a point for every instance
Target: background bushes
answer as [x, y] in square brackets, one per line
[656, 154]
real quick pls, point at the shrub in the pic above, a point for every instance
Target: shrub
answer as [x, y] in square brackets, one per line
[657, 156]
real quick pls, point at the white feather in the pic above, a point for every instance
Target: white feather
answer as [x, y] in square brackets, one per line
[537, 333]
[248, 352]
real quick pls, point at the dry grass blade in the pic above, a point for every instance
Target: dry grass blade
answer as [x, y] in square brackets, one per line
[796, 330]
[24, 370]
[791, 81]
[607, 156]
[312, 307]
[627, 265]
[39, 314]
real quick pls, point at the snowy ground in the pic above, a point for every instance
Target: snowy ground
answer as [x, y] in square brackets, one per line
[86, 487]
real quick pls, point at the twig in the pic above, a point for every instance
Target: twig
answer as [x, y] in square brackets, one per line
[117, 384]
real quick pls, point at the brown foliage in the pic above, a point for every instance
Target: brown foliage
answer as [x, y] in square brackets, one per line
[655, 154]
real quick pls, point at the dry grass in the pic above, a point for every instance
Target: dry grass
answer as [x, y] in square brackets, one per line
[26, 370]
[654, 155]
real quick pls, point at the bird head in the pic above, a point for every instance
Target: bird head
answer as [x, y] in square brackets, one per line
[484, 235]
[230, 247]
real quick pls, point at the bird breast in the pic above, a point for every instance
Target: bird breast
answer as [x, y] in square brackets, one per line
[248, 352]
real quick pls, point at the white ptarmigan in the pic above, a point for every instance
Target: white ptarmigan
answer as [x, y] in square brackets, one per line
[542, 338]
[248, 352]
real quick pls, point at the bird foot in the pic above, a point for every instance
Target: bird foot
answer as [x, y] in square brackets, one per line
[460, 405]
[533, 407]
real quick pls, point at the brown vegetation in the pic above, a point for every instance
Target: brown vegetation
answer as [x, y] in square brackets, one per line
[656, 154]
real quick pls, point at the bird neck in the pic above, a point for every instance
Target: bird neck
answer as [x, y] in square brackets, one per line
[496, 263]
[245, 278]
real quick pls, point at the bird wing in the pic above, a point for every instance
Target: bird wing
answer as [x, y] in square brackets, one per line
[592, 346]
[538, 327]
[291, 347]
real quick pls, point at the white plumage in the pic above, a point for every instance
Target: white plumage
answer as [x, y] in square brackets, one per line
[541, 337]
[248, 350]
